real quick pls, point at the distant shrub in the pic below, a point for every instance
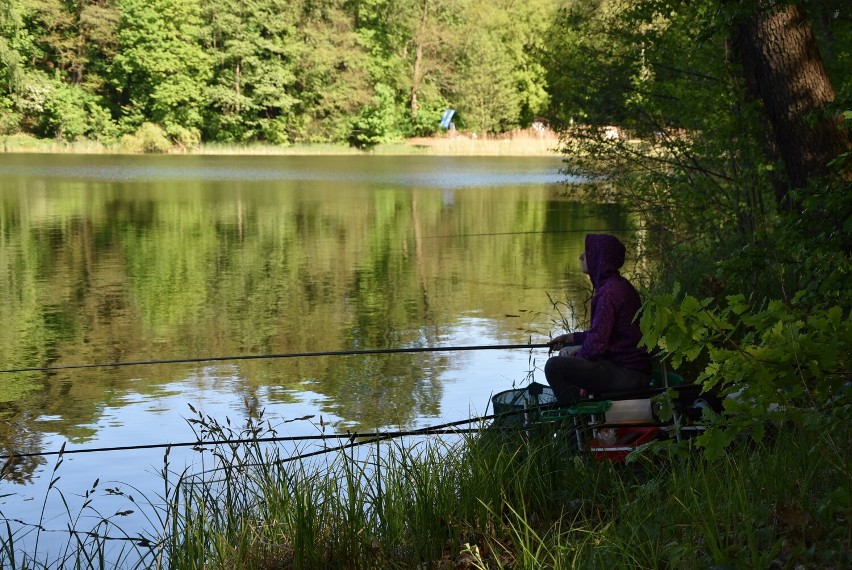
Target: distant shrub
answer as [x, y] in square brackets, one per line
[10, 118]
[183, 137]
[377, 122]
[21, 142]
[149, 138]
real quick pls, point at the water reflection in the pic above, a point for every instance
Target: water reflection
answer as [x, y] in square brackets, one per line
[116, 259]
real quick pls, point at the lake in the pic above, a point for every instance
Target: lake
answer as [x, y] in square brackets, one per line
[117, 259]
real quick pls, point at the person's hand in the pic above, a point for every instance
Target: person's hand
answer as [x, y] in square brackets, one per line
[569, 350]
[560, 342]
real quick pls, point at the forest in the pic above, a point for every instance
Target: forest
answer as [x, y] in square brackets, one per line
[274, 71]
[181, 72]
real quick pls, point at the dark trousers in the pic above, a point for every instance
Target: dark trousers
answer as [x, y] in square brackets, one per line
[568, 375]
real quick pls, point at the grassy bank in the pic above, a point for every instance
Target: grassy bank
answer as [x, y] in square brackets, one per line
[493, 500]
[485, 501]
[503, 502]
[523, 143]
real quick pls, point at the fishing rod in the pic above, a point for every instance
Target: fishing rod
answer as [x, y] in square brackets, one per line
[536, 232]
[359, 352]
[200, 444]
[354, 438]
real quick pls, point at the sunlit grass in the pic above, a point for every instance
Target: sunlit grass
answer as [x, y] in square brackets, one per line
[30, 144]
[519, 144]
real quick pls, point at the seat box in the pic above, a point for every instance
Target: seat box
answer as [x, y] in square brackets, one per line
[614, 443]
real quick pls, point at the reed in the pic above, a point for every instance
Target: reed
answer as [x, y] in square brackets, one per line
[521, 143]
[93, 537]
[492, 499]
[507, 500]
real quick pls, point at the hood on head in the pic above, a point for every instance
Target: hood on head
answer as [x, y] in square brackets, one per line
[604, 256]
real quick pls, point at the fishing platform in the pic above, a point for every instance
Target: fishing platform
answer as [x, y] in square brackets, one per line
[609, 426]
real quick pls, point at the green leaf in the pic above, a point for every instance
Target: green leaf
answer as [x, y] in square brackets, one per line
[694, 352]
[664, 404]
[737, 304]
[714, 441]
[690, 304]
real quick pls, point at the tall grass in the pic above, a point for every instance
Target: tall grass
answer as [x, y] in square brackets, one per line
[93, 533]
[523, 143]
[520, 144]
[512, 501]
[492, 499]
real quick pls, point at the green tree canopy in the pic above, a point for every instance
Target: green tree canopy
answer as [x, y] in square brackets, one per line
[269, 70]
[160, 70]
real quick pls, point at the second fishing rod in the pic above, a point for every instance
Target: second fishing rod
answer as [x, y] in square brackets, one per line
[355, 352]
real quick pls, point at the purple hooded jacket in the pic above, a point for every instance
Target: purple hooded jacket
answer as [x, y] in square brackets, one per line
[614, 333]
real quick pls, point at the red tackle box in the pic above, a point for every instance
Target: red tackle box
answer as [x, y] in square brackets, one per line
[625, 440]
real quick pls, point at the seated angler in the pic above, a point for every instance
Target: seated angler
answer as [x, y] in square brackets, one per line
[606, 357]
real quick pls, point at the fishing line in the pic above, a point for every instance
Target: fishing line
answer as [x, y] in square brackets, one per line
[590, 231]
[374, 437]
[140, 541]
[365, 437]
[274, 356]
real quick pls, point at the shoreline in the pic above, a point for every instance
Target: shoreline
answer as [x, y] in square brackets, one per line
[511, 144]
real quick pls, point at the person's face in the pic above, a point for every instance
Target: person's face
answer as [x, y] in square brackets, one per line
[583, 267]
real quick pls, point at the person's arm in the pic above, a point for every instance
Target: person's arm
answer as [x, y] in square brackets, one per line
[561, 341]
[595, 341]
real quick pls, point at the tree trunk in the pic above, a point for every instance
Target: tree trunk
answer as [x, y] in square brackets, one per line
[783, 68]
[417, 73]
[415, 80]
[238, 77]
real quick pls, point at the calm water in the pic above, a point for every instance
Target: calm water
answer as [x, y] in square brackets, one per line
[123, 259]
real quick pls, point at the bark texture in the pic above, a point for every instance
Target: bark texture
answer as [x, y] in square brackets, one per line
[784, 69]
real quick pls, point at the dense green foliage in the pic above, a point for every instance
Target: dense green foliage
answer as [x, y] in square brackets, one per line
[777, 362]
[750, 292]
[278, 71]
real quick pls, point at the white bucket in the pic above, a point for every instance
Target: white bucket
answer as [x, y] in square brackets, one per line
[630, 410]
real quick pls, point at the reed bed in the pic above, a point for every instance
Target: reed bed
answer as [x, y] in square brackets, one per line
[491, 499]
[519, 500]
[520, 143]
